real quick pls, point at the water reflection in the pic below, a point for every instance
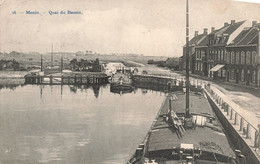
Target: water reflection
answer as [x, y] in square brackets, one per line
[73, 124]
[10, 86]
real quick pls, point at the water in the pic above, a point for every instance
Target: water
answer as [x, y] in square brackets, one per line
[50, 124]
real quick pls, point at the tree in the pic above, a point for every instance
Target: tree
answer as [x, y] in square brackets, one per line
[74, 64]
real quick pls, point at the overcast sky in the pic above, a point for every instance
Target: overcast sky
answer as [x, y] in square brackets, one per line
[149, 27]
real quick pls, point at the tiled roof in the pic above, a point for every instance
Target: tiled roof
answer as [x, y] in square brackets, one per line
[196, 39]
[223, 33]
[246, 37]
[204, 42]
[249, 37]
[233, 27]
[240, 36]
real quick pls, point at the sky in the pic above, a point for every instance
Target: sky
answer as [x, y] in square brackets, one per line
[148, 27]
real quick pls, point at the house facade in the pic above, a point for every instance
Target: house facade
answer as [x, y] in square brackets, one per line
[201, 54]
[242, 57]
[217, 42]
[192, 46]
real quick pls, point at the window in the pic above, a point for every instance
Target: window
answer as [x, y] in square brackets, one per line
[222, 55]
[202, 54]
[248, 58]
[228, 57]
[232, 57]
[253, 77]
[201, 66]
[242, 75]
[237, 57]
[219, 57]
[223, 39]
[232, 74]
[196, 65]
[254, 58]
[243, 58]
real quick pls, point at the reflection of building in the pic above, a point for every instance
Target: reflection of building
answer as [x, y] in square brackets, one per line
[242, 58]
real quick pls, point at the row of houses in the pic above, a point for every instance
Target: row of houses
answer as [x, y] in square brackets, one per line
[230, 53]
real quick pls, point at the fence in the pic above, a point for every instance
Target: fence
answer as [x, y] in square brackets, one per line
[240, 120]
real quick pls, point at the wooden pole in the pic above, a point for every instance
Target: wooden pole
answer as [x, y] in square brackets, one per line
[187, 61]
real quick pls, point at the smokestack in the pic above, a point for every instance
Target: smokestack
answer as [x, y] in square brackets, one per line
[233, 21]
[205, 31]
[196, 33]
[212, 29]
[254, 23]
[225, 24]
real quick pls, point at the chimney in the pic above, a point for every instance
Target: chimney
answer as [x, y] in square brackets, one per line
[254, 23]
[232, 22]
[205, 31]
[196, 33]
[225, 24]
[212, 29]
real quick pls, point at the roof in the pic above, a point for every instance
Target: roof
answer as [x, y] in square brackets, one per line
[248, 36]
[222, 35]
[204, 41]
[229, 29]
[196, 39]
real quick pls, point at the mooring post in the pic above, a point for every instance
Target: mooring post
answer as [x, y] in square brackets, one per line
[235, 121]
[231, 113]
[248, 130]
[257, 137]
[241, 124]
[227, 110]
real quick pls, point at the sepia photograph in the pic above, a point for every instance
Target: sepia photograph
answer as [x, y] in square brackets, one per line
[129, 82]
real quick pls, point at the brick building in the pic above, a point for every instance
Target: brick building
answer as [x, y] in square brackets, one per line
[217, 42]
[192, 44]
[242, 57]
[201, 53]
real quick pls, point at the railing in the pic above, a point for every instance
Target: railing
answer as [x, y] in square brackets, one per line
[241, 123]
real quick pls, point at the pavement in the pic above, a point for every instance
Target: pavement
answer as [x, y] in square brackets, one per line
[246, 97]
[233, 87]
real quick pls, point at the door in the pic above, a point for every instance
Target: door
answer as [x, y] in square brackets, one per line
[237, 77]
[227, 76]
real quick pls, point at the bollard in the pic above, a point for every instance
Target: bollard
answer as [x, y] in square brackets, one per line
[257, 137]
[241, 124]
[235, 121]
[231, 113]
[227, 110]
[248, 130]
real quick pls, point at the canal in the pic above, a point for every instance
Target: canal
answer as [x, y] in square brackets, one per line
[73, 124]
